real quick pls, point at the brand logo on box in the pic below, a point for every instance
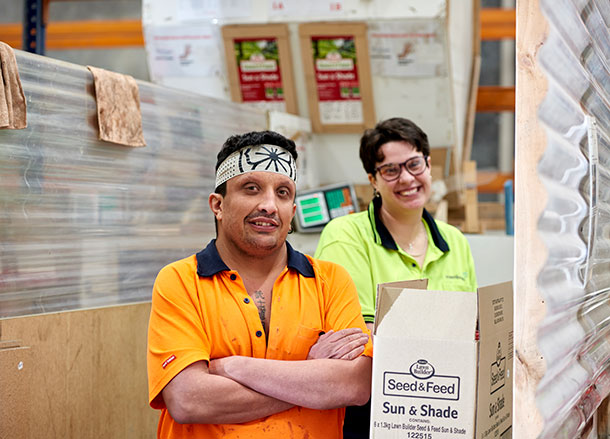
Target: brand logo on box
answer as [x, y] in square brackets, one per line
[421, 382]
[498, 371]
[421, 369]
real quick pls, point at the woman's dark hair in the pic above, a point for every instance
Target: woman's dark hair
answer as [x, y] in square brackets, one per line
[239, 141]
[390, 130]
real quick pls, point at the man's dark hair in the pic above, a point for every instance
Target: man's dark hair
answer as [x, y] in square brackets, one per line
[396, 129]
[239, 141]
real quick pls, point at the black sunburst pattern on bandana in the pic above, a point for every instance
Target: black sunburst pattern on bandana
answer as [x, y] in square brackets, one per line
[269, 159]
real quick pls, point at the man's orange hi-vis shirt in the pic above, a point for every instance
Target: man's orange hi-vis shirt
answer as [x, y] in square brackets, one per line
[202, 311]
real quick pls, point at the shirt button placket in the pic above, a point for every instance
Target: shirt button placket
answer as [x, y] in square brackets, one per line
[247, 301]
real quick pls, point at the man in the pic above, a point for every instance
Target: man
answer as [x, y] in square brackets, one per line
[250, 338]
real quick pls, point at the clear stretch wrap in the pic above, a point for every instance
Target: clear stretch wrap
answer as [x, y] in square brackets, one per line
[84, 223]
[574, 337]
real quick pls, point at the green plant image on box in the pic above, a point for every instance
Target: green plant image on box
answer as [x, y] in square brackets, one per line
[343, 46]
[266, 47]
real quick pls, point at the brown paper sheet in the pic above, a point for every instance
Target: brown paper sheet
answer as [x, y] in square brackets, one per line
[118, 108]
[12, 100]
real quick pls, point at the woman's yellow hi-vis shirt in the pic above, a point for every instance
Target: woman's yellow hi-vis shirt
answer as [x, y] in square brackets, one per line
[362, 244]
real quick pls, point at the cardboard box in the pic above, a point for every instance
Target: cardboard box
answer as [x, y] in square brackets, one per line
[432, 378]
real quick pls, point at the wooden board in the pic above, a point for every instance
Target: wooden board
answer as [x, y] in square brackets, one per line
[471, 207]
[473, 89]
[86, 374]
[530, 199]
[472, 108]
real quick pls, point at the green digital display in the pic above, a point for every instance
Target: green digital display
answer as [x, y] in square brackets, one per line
[318, 207]
[339, 202]
[312, 210]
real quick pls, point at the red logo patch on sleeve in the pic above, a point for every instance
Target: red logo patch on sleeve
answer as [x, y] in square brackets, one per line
[169, 360]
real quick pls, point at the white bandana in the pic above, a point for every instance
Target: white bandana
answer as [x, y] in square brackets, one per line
[266, 158]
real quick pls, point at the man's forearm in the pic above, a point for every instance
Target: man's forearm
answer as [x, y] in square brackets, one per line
[196, 397]
[318, 384]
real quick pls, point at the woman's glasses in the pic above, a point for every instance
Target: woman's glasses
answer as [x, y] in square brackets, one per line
[414, 166]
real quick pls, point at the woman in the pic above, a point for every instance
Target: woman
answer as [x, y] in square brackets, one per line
[396, 238]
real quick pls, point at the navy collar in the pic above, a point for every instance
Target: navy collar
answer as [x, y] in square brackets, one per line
[386, 238]
[209, 262]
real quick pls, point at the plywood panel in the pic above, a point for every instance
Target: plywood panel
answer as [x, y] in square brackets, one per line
[530, 199]
[88, 373]
[16, 368]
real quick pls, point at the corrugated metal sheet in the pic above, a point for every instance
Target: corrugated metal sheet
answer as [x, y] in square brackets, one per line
[575, 225]
[85, 223]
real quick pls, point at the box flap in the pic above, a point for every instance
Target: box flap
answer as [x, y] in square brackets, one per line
[425, 314]
[495, 309]
[495, 384]
[392, 290]
[415, 284]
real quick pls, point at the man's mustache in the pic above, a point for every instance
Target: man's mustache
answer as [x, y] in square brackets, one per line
[259, 214]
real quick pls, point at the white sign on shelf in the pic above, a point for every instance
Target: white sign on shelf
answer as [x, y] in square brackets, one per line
[410, 48]
[185, 51]
[341, 112]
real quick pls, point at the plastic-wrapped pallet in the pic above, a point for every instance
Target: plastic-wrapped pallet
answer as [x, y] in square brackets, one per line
[84, 223]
